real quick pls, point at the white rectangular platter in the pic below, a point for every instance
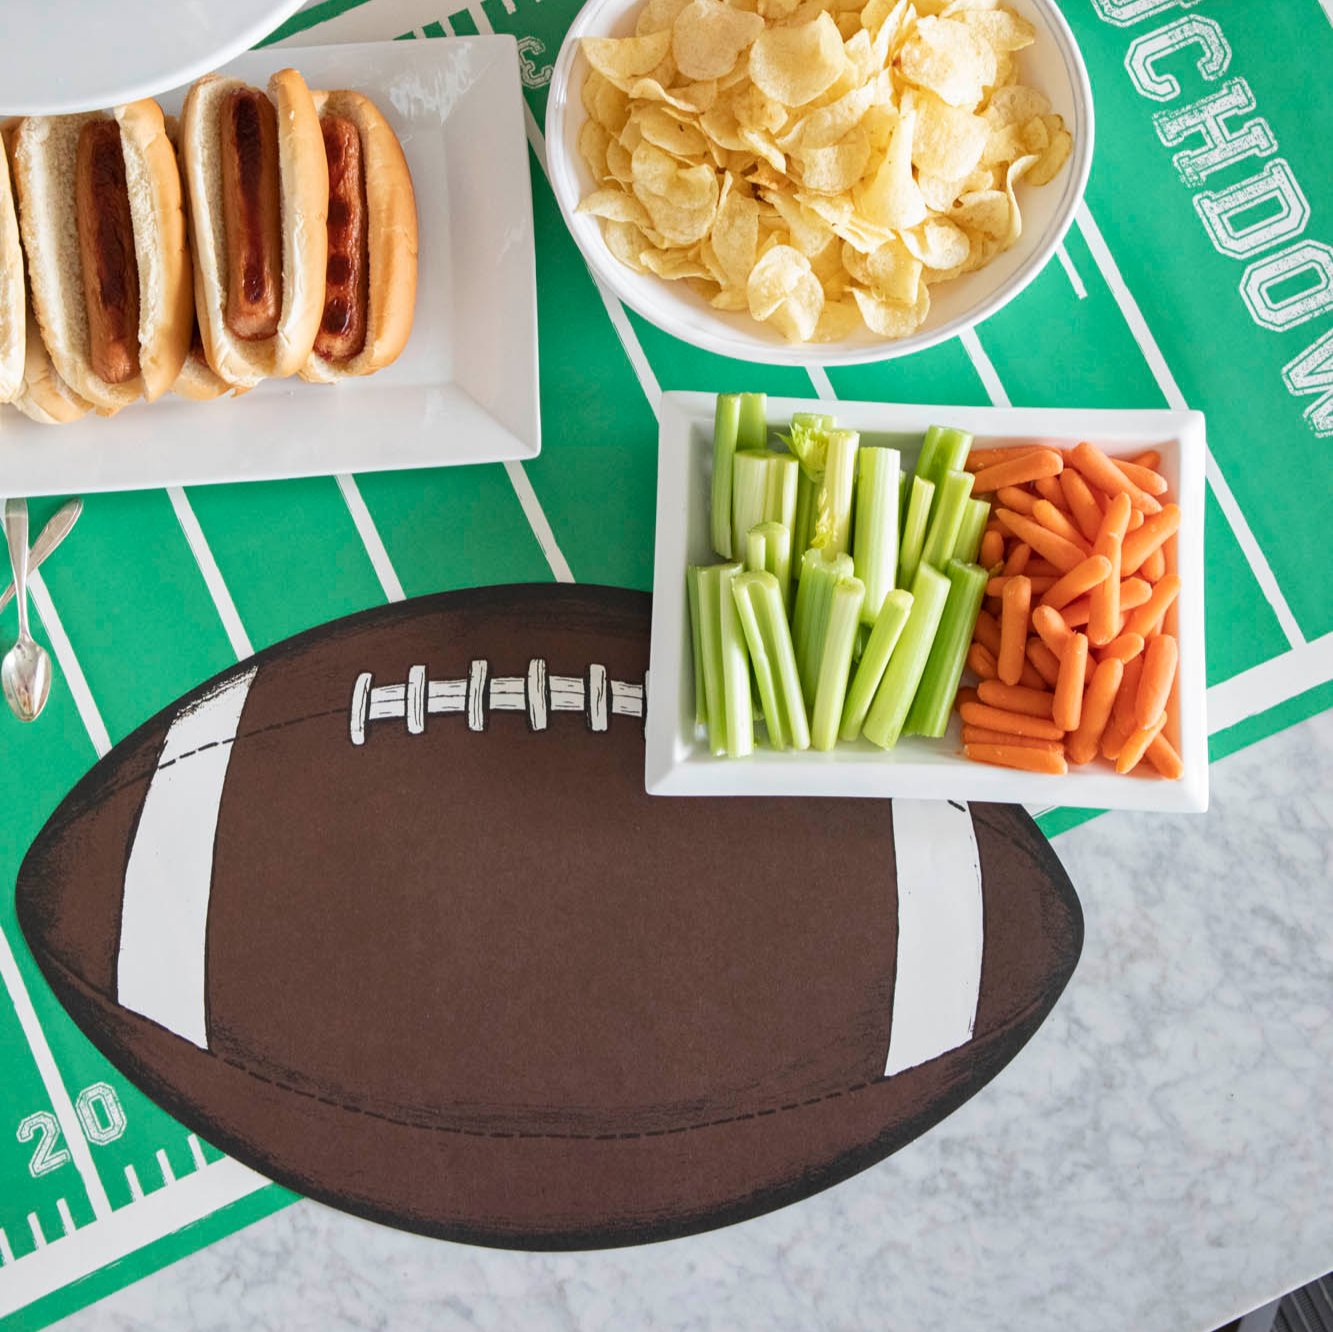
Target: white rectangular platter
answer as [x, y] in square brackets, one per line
[678, 760]
[464, 389]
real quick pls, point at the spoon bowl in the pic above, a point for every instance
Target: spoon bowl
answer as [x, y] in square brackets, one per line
[25, 676]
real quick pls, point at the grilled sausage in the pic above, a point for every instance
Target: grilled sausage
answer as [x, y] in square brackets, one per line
[252, 215]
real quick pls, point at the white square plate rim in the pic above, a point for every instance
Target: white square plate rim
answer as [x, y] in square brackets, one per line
[287, 429]
[672, 769]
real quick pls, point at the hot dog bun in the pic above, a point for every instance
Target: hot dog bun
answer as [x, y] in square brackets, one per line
[391, 231]
[43, 396]
[46, 156]
[304, 194]
[13, 301]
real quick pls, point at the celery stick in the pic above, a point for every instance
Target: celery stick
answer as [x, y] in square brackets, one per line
[874, 658]
[696, 641]
[893, 698]
[760, 663]
[875, 544]
[753, 425]
[836, 661]
[768, 547]
[780, 497]
[929, 713]
[749, 495]
[946, 517]
[764, 618]
[914, 529]
[976, 514]
[803, 524]
[732, 662]
[833, 503]
[814, 597]
[726, 422]
[709, 590]
[942, 450]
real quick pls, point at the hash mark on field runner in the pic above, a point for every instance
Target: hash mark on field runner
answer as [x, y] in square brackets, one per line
[197, 1152]
[1166, 382]
[132, 1179]
[986, 371]
[66, 1218]
[823, 384]
[370, 537]
[168, 1174]
[38, 1238]
[212, 575]
[75, 680]
[1071, 272]
[6, 1253]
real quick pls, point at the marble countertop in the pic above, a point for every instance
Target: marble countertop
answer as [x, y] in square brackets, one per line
[1156, 1158]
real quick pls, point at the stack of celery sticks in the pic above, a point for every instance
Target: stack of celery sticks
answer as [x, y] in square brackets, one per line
[849, 593]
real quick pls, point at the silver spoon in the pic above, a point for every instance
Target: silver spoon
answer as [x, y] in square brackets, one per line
[25, 673]
[55, 531]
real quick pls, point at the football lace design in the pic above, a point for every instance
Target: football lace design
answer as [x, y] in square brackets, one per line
[477, 694]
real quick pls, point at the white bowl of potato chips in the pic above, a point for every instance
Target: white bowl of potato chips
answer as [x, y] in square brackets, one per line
[818, 181]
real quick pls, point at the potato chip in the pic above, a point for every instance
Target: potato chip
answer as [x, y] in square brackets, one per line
[709, 37]
[937, 243]
[626, 242]
[944, 56]
[658, 16]
[984, 211]
[892, 272]
[839, 319]
[797, 317]
[1015, 105]
[947, 141]
[664, 131]
[794, 65]
[892, 198]
[1036, 137]
[757, 111]
[778, 9]
[1052, 159]
[691, 97]
[622, 59]
[673, 264]
[1017, 170]
[720, 125]
[837, 168]
[735, 237]
[808, 231]
[774, 278]
[730, 298]
[824, 127]
[891, 319]
[593, 140]
[760, 142]
[939, 194]
[619, 164]
[1000, 29]
[615, 206]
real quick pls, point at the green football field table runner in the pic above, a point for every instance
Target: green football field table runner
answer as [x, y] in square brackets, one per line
[1198, 273]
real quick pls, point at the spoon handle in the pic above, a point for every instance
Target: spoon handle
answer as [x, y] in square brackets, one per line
[55, 531]
[16, 532]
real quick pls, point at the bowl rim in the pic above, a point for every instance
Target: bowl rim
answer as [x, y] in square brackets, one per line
[719, 338]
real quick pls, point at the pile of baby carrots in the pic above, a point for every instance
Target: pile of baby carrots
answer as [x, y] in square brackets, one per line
[1075, 649]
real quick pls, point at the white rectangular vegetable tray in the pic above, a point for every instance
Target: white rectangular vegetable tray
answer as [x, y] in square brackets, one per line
[678, 759]
[464, 389]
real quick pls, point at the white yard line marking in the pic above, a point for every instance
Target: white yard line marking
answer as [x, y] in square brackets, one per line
[1328, 8]
[1166, 382]
[1071, 272]
[6, 1253]
[66, 1218]
[990, 379]
[537, 520]
[94, 1247]
[197, 1152]
[54, 1086]
[823, 384]
[1270, 683]
[370, 538]
[208, 567]
[69, 665]
[38, 1238]
[132, 1179]
[168, 1174]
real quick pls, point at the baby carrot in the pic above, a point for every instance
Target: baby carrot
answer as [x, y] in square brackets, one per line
[1029, 678]
[1133, 593]
[1040, 583]
[965, 696]
[1018, 471]
[1149, 458]
[1015, 756]
[1080, 579]
[992, 550]
[1122, 723]
[1162, 755]
[1147, 619]
[1017, 723]
[1099, 471]
[1030, 702]
[1045, 662]
[1136, 745]
[978, 459]
[1081, 747]
[1104, 599]
[1038, 567]
[981, 661]
[1143, 477]
[1080, 503]
[979, 735]
[1123, 648]
[1048, 487]
[1135, 520]
[1014, 498]
[1154, 532]
[1061, 553]
[987, 631]
[1154, 566]
[1013, 629]
[1017, 562]
[1055, 520]
[1051, 627]
[1159, 672]
[1068, 706]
